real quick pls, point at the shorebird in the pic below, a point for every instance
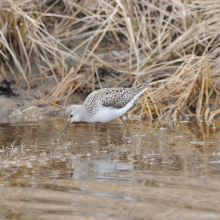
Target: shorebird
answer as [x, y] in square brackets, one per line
[104, 105]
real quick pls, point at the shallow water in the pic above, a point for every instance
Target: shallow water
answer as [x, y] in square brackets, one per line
[156, 172]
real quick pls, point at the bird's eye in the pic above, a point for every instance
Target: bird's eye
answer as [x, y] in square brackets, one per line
[71, 116]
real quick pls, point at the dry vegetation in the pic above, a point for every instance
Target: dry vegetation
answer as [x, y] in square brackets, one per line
[90, 44]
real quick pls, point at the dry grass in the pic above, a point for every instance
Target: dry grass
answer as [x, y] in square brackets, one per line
[174, 45]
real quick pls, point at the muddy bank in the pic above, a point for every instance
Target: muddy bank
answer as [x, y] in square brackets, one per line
[16, 101]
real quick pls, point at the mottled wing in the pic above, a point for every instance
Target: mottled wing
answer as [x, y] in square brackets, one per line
[112, 97]
[117, 97]
[92, 101]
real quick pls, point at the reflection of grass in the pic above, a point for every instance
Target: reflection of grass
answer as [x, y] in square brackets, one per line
[172, 44]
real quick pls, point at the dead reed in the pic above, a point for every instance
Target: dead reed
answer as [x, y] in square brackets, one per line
[174, 45]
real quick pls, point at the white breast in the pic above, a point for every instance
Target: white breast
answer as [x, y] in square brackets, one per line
[106, 114]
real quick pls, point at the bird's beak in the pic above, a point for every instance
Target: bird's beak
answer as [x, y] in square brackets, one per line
[65, 129]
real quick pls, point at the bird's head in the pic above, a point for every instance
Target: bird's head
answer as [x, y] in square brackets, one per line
[73, 113]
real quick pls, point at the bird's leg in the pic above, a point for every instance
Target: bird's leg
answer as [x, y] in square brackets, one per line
[108, 129]
[127, 118]
[126, 126]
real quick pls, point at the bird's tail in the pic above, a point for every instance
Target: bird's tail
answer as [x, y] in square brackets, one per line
[141, 87]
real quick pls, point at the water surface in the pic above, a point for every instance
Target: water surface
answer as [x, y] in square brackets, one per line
[156, 172]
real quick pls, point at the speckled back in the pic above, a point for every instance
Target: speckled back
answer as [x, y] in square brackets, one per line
[111, 97]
